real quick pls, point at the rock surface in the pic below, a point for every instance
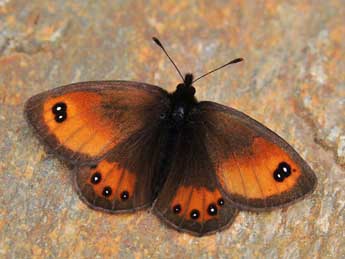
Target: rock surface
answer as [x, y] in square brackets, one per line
[292, 80]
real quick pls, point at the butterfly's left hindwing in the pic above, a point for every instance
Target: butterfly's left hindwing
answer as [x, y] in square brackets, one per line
[127, 178]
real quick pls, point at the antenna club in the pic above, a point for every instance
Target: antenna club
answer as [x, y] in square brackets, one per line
[237, 60]
[157, 42]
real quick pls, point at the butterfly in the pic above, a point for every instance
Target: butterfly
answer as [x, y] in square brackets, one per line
[197, 164]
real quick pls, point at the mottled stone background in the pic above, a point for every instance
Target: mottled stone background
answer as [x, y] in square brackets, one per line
[292, 80]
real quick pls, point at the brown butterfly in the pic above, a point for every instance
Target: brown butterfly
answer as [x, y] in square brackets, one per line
[134, 145]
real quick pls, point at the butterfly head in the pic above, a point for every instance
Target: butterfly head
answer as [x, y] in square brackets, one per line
[185, 90]
[188, 80]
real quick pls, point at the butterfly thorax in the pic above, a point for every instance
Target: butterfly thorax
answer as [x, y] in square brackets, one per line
[183, 99]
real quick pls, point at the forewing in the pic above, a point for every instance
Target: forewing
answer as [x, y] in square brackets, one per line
[257, 169]
[84, 121]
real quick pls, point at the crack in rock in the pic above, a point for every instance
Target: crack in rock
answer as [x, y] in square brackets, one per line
[4, 43]
[337, 152]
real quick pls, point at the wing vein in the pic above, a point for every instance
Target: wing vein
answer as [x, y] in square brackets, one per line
[259, 185]
[240, 173]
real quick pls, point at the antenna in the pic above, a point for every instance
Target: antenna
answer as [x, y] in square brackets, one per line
[236, 60]
[166, 53]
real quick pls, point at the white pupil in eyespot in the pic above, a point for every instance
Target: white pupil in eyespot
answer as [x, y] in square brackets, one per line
[58, 108]
[285, 169]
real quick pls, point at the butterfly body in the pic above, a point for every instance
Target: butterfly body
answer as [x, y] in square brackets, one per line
[182, 100]
[134, 145]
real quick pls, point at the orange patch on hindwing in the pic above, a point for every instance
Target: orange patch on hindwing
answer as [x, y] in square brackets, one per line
[111, 181]
[197, 202]
[251, 173]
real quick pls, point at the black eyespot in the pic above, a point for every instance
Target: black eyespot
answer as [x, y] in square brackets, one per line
[283, 170]
[220, 202]
[96, 178]
[124, 195]
[60, 112]
[59, 108]
[60, 117]
[194, 214]
[177, 209]
[212, 209]
[107, 191]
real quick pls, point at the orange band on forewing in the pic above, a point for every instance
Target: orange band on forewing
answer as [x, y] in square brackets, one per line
[85, 130]
[250, 174]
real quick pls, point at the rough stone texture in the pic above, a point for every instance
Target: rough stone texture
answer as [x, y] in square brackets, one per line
[292, 80]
